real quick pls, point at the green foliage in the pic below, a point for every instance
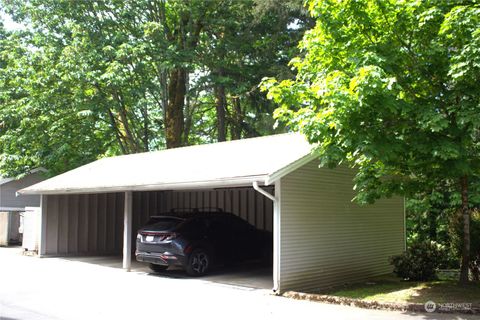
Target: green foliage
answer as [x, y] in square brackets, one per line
[391, 88]
[419, 261]
[456, 234]
[40, 124]
[394, 91]
[430, 215]
[88, 79]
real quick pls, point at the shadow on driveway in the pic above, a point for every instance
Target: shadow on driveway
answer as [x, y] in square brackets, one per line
[250, 275]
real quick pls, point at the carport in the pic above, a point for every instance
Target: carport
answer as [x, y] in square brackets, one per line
[321, 238]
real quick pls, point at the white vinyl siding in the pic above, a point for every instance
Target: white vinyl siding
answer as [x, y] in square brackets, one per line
[326, 239]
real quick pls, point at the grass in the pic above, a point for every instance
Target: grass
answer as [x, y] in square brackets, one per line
[394, 290]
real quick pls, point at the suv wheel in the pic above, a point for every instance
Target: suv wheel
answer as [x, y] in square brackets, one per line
[158, 267]
[199, 263]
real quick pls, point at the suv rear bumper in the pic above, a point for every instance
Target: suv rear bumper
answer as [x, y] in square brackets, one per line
[164, 259]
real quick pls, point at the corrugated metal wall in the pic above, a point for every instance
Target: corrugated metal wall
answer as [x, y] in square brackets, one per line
[326, 239]
[93, 223]
[243, 202]
[84, 224]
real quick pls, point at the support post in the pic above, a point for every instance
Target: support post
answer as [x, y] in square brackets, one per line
[277, 209]
[127, 231]
[276, 231]
[42, 228]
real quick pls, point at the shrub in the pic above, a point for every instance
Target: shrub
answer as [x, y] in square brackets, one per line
[418, 262]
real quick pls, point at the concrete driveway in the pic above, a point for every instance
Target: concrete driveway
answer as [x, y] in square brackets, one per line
[250, 275]
[54, 288]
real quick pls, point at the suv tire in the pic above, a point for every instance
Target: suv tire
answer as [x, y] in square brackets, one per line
[199, 263]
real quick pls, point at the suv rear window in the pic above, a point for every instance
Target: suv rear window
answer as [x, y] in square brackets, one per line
[163, 223]
[194, 226]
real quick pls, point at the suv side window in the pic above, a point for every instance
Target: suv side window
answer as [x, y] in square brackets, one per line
[236, 225]
[194, 226]
[241, 225]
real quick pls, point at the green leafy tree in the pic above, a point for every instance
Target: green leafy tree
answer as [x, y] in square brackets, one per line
[248, 41]
[40, 125]
[87, 79]
[391, 87]
[433, 215]
[131, 57]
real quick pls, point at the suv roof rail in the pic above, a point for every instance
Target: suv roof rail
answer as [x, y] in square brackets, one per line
[183, 213]
[203, 209]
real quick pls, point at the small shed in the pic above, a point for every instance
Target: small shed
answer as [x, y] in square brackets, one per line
[12, 205]
[321, 237]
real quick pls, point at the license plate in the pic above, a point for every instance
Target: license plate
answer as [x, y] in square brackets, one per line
[149, 238]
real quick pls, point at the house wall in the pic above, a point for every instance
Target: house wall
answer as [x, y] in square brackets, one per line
[14, 236]
[92, 224]
[4, 228]
[326, 239]
[9, 224]
[8, 197]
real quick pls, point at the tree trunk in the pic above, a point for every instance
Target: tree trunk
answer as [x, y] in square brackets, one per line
[124, 125]
[432, 224]
[466, 231]
[187, 112]
[118, 135]
[163, 77]
[146, 131]
[220, 105]
[174, 121]
[237, 119]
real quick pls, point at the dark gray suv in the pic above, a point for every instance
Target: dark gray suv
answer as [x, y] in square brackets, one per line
[197, 239]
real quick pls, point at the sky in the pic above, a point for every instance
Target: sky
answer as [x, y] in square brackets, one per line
[8, 23]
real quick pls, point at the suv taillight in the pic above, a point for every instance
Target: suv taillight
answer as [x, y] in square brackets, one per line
[168, 236]
[161, 236]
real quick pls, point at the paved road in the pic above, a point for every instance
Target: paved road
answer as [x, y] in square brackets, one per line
[40, 289]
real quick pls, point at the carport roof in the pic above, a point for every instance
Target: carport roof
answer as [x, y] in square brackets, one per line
[216, 165]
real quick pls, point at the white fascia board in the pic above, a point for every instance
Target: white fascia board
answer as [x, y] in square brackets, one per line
[275, 176]
[190, 185]
[11, 209]
[33, 208]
